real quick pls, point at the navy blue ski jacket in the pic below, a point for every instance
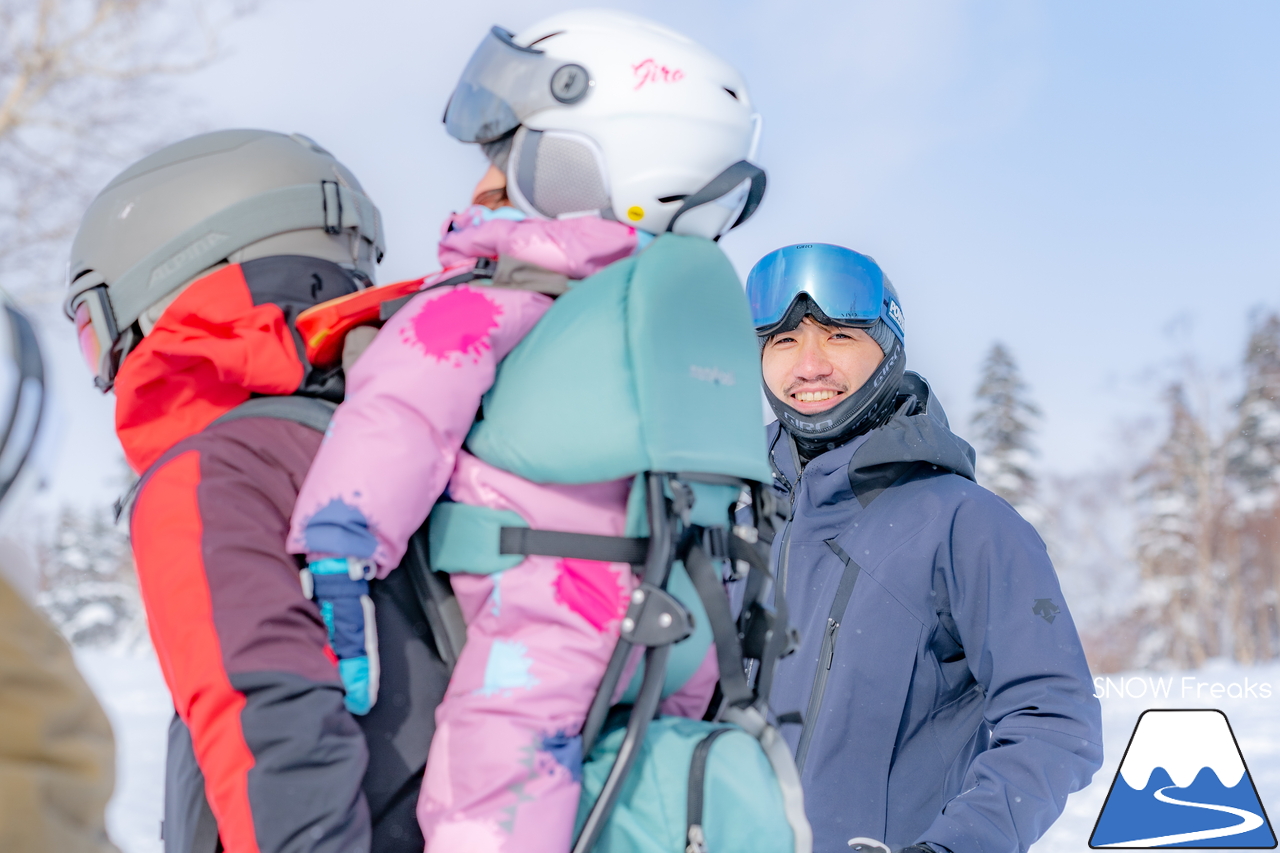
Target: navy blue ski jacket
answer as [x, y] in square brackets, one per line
[949, 700]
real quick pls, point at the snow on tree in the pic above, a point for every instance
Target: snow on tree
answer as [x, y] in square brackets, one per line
[1253, 453]
[1088, 530]
[1179, 540]
[1253, 469]
[88, 586]
[1003, 422]
[80, 95]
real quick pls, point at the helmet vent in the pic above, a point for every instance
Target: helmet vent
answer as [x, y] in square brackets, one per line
[732, 93]
[541, 39]
[559, 174]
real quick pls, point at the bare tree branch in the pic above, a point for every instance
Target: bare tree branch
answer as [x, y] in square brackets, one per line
[81, 84]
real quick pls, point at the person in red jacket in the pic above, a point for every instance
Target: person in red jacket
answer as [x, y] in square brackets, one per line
[185, 279]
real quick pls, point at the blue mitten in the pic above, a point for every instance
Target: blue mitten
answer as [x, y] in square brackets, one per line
[340, 587]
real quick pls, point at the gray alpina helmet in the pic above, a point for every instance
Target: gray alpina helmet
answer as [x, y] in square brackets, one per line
[224, 197]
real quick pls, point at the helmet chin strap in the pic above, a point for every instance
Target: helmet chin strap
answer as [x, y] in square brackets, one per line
[869, 407]
[723, 184]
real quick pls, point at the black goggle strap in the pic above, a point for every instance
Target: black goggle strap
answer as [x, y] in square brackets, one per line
[723, 184]
[27, 410]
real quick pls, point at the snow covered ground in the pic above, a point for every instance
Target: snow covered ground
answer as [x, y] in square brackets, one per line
[134, 695]
[132, 691]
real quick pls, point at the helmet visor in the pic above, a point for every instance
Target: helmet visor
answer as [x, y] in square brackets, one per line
[504, 83]
[848, 287]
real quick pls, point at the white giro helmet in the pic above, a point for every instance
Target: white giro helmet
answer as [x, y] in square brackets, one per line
[603, 112]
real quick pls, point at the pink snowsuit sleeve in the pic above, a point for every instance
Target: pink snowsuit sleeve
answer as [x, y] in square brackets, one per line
[413, 395]
[411, 400]
[575, 248]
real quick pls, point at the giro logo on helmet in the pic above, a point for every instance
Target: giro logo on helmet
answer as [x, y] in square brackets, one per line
[650, 71]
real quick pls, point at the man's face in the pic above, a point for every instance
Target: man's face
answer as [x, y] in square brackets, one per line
[813, 367]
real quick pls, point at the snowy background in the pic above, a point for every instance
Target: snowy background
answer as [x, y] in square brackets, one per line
[1078, 202]
[135, 698]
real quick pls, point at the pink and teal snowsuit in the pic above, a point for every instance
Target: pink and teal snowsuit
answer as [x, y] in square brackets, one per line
[505, 760]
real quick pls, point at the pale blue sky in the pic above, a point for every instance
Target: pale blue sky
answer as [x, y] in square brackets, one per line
[1074, 178]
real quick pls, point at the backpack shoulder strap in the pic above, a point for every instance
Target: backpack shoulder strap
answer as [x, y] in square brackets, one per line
[432, 590]
[309, 411]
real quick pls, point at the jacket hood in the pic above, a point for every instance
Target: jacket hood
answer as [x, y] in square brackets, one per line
[918, 434]
[227, 337]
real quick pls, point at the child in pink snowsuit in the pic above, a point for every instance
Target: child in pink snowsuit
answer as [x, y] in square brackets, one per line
[506, 757]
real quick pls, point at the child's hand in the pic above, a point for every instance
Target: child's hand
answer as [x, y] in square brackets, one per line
[340, 587]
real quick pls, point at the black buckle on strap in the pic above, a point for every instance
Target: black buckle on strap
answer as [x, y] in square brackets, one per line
[716, 542]
[655, 618]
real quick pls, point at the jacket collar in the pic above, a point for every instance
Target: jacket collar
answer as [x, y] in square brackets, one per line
[868, 464]
[226, 337]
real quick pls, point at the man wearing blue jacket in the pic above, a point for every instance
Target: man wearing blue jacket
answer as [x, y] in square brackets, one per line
[940, 699]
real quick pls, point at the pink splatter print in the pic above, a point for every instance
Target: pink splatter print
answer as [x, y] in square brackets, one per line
[456, 324]
[591, 589]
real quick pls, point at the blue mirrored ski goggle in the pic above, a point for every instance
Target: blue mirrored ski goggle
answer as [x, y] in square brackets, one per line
[846, 286]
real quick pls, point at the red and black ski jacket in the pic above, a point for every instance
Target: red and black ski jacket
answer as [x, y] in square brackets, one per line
[243, 652]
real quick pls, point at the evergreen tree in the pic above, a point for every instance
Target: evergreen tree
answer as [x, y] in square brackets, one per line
[1253, 468]
[1253, 453]
[1089, 529]
[88, 586]
[1178, 540]
[1003, 424]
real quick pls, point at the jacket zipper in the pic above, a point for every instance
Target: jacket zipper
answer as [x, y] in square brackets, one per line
[825, 657]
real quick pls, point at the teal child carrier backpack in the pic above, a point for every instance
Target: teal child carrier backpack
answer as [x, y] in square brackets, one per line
[665, 342]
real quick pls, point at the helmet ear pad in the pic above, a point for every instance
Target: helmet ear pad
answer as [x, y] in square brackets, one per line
[557, 173]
